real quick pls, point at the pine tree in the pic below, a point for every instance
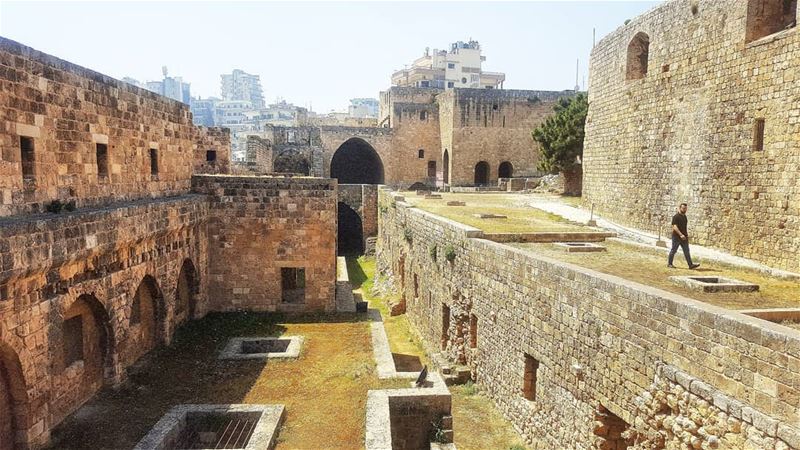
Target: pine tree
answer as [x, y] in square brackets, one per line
[560, 137]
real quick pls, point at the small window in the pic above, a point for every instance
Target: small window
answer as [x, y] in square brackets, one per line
[153, 162]
[473, 331]
[101, 155]
[420, 153]
[293, 285]
[463, 80]
[529, 382]
[424, 84]
[450, 84]
[211, 155]
[73, 340]
[758, 135]
[27, 157]
[451, 65]
[431, 169]
[423, 115]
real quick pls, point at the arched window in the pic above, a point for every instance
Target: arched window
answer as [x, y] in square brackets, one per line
[765, 17]
[506, 170]
[638, 53]
[482, 173]
[421, 153]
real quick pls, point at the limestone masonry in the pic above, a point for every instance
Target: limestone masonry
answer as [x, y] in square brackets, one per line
[697, 102]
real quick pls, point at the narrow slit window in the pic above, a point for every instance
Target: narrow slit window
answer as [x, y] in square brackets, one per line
[758, 135]
[445, 326]
[420, 153]
[473, 331]
[101, 155]
[27, 157]
[423, 115]
[529, 382]
[153, 162]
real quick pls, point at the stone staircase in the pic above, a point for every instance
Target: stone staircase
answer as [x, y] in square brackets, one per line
[452, 374]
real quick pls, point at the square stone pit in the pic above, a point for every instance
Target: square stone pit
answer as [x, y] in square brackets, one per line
[247, 427]
[262, 347]
[712, 283]
[580, 247]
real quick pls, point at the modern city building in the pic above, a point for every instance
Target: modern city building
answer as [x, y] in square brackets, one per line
[459, 67]
[240, 85]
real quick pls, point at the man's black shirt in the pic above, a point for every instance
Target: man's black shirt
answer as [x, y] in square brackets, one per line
[680, 220]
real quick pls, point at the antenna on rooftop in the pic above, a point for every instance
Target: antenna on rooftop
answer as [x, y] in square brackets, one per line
[577, 65]
[164, 71]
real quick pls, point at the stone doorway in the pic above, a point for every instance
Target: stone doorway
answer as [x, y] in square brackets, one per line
[506, 170]
[357, 162]
[482, 173]
[350, 240]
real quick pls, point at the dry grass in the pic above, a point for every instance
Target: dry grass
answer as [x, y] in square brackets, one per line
[648, 266]
[520, 218]
[476, 423]
[325, 390]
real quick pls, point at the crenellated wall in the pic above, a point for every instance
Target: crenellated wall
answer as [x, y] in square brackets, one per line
[619, 363]
[686, 130]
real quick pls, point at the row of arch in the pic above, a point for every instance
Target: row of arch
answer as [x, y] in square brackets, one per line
[504, 170]
[87, 337]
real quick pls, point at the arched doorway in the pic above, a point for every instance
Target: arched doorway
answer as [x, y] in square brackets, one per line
[185, 293]
[356, 162]
[351, 232]
[482, 173]
[291, 161]
[146, 318]
[86, 339]
[506, 170]
[13, 398]
[446, 167]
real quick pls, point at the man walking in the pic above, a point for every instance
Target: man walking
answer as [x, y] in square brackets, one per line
[680, 238]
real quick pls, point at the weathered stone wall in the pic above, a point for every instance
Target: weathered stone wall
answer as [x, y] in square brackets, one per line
[258, 225]
[258, 157]
[493, 125]
[416, 127]
[601, 343]
[90, 264]
[67, 110]
[363, 198]
[685, 132]
[212, 150]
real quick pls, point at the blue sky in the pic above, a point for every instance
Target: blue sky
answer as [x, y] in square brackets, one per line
[317, 53]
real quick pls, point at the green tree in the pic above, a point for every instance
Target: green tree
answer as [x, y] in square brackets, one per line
[560, 137]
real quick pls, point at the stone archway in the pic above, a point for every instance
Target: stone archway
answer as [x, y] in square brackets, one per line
[86, 339]
[356, 162]
[446, 167]
[146, 317]
[13, 399]
[482, 173]
[291, 161]
[505, 170]
[350, 240]
[186, 292]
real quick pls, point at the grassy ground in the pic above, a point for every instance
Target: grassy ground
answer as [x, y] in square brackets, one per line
[476, 423]
[520, 218]
[325, 390]
[648, 266]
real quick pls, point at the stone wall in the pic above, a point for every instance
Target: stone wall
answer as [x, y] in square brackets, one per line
[493, 125]
[212, 150]
[686, 130]
[91, 264]
[259, 225]
[603, 348]
[363, 198]
[64, 112]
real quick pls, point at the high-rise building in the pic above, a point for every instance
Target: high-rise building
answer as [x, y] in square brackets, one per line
[172, 87]
[240, 85]
[458, 67]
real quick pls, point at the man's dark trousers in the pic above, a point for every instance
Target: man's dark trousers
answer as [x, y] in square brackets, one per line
[684, 244]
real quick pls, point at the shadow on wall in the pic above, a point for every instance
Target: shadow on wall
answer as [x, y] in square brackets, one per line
[350, 241]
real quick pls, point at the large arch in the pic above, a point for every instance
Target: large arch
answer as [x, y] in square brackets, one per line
[482, 173]
[350, 240]
[147, 317]
[13, 399]
[638, 56]
[291, 161]
[186, 292]
[446, 167]
[505, 170]
[357, 162]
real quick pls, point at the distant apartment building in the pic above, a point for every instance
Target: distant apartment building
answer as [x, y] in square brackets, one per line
[242, 86]
[361, 108]
[459, 67]
[172, 87]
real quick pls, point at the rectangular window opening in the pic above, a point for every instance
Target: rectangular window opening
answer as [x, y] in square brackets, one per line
[211, 155]
[101, 155]
[27, 157]
[431, 169]
[758, 135]
[529, 383]
[293, 285]
[153, 162]
[73, 340]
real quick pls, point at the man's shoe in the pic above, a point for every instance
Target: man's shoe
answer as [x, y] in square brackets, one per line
[670, 266]
[694, 266]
